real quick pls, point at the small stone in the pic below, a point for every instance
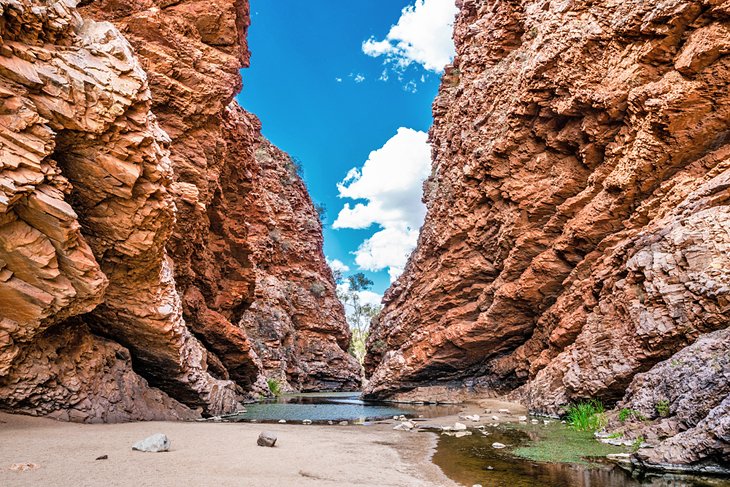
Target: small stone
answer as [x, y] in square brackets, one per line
[522, 418]
[477, 485]
[23, 467]
[404, 426]
[503, 411]
[459, 427]
[534, 421]
[266, 438]
[155, 443]
[282, 421]
[495, 418]
[498, 445]
[461, 434]
[307, 421]
[103, 457]
[343, 423]
[490, 467]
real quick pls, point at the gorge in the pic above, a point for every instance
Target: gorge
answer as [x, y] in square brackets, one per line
[161, 260]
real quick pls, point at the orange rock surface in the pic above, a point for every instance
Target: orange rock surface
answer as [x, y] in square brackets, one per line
[578, 227]
[126, 190]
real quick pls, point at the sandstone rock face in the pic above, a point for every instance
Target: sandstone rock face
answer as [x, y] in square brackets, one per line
[87, 213]
[295, 320]
[245, 296]
[688, 396]
[126, 187]
[578, 227]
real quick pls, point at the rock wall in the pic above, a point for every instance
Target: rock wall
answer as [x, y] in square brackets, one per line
[578, 227]
[295, 321]
[125, 260]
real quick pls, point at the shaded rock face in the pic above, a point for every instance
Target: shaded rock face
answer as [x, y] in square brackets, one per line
[578, 221]
[688, 396]
[295, 321]
[125, 191]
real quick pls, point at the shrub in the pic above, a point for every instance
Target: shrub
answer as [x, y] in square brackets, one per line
[626, 414]
[587, 415]
[637, 444]
[274, 386]
[321, 210]
[318, 289]
[662, 408]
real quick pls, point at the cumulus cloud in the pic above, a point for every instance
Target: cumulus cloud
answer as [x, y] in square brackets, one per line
[390, 182]
[422, 35]
[338, 266]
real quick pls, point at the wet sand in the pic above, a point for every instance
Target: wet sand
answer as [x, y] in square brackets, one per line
[214, 454]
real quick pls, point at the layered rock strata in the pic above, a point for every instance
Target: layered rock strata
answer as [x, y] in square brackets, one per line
[103, 144]
[245, 291]
[295, 320]
[578, 227]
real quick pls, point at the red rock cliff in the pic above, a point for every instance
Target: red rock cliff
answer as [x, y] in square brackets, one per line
[125, 209]
[578, 227]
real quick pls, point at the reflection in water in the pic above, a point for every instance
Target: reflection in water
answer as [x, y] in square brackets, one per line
[344, 406]
[472, 460]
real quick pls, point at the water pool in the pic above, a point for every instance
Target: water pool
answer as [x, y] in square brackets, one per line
[335, 407]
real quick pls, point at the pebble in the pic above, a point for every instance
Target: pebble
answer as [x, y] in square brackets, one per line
[522, 418]
[282, 421]
[534, 421]
[461, 434]
[498, 445]
[459, 427]
[103, 457]
[404, 426]
[503, 411]
[23, 467]
[495, 418]
[154, 444]
[471, 417]
[307, 421]
[267, 438]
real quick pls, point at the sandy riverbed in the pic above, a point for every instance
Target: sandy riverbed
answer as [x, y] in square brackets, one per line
[214, 454]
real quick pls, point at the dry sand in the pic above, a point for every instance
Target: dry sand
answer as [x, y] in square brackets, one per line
[214, 454]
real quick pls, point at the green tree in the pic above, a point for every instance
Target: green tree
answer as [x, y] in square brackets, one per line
[358, 314]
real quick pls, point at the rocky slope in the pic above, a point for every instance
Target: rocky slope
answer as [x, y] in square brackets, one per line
[578, 227]
[125, 259]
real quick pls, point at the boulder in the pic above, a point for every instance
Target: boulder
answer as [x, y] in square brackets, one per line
[266, 438]
[155, 443]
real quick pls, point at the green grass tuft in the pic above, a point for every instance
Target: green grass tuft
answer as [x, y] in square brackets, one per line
[274, 387]
[662, 408]
[587, 416]
[626, 414]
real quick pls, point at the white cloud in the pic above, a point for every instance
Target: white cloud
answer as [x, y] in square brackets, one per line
[422, 35]
[411, 87]
[391, 182]
[339, 80]
[359, 78]
[338, 266]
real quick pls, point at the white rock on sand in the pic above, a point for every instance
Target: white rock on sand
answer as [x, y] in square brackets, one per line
[154, 444]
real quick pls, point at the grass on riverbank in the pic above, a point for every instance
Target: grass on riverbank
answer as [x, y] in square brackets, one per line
[558, 443]
[587, 416]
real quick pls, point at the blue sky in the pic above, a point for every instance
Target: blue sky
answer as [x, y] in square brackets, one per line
[324, 101]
